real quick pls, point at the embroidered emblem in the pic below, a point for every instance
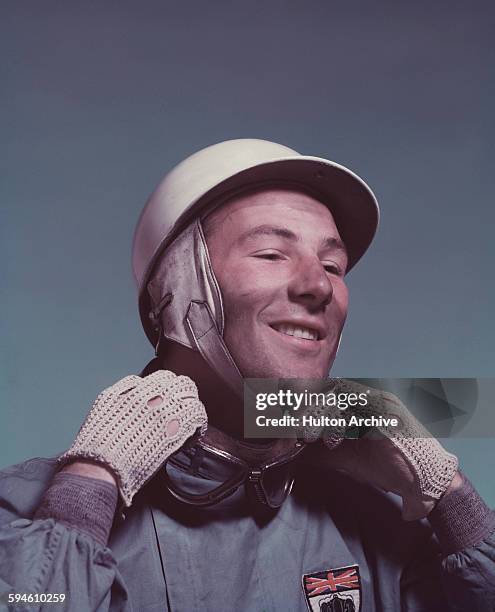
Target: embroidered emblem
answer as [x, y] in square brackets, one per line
[333, 590]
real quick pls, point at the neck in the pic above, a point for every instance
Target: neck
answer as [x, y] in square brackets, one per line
[224, 407]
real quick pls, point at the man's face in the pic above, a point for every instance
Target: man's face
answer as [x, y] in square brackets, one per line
[280, 264]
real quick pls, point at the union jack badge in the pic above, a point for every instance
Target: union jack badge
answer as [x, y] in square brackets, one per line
[333, 590]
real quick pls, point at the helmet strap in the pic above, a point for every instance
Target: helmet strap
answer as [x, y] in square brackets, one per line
[210, 344]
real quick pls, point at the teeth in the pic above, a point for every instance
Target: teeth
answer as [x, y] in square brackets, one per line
[298, 332]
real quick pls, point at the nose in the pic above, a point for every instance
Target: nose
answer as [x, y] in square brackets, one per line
[311, 285]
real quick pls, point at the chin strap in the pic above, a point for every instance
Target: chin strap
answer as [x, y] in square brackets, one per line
[211, 346]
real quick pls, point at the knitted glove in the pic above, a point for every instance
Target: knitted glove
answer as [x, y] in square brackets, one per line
[386, 455]
[136, 424]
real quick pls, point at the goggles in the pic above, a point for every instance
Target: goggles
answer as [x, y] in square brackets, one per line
[205, 472]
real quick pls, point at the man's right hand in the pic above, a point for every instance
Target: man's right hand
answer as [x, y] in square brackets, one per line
[133, 427]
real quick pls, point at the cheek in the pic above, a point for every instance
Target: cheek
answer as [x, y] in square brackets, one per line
[245, 288]
[336, 313]
[341, 298]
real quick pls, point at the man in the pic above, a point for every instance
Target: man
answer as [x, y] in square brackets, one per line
[160, 504]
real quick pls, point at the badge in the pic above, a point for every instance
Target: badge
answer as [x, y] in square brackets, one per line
[333, 590]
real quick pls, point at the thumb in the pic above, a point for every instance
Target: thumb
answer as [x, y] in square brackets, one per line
[415, 509]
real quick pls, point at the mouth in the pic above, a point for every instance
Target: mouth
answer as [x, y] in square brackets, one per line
[304, 332]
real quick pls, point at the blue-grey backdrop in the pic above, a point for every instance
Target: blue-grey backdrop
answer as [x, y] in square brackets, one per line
[100, 99]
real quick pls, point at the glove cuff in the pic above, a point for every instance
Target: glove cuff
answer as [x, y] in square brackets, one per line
[81, 503]
[461, 519]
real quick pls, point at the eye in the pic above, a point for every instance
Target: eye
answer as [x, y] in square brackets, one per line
[269, 256]
[332, 268]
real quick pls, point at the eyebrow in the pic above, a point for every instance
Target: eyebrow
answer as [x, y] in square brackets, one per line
[272, 230]
[267, 230]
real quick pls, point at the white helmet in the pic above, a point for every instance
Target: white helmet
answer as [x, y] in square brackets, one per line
[179, 297]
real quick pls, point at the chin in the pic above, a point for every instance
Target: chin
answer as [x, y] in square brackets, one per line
[289, 370]
[306, 368]
[306, 374]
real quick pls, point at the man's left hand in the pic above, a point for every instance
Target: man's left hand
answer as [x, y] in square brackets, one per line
[405, 460]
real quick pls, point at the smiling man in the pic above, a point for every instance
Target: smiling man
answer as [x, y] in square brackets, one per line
[240, 257]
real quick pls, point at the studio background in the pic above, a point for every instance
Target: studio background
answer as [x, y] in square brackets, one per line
[99, 100]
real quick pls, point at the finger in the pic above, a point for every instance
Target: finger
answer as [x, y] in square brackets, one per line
[121, 386]
[108, 395]
[332, 441]
[342, 456]
[186, 389]
[156, 389]
[160, 377]
[171, 386]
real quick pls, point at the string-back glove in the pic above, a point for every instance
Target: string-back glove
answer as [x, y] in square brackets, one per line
[405, 459]
[136, 424]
